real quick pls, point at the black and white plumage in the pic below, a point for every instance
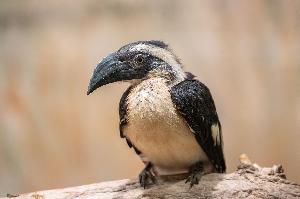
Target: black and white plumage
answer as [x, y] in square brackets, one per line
[166, 115]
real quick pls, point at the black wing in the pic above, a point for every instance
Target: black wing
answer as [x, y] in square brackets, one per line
[194, 102]
[123, 117]
[123, 110]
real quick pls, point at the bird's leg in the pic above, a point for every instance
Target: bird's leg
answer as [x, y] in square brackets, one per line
[196, 171]
[146, 177]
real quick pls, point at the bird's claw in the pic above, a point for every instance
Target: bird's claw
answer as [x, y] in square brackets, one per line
[194, 178]
[146, 178]
[195, 174]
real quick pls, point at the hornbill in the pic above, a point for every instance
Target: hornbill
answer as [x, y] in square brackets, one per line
[167, 116]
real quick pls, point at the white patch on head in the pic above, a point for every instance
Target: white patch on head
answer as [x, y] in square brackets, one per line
[215, 130]
[162, 54]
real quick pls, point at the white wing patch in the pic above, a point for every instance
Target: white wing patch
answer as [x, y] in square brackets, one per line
[215, 130]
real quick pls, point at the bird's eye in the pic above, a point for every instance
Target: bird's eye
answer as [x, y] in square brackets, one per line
[139, 59]
[121, 59]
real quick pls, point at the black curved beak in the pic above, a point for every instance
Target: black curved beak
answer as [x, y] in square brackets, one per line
[105, 72]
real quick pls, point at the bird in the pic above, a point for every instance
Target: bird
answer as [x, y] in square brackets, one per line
[166, 115]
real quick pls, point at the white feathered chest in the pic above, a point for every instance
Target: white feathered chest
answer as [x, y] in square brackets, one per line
[158, 131]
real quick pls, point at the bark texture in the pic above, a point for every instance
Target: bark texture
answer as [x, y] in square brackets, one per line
[248, 181]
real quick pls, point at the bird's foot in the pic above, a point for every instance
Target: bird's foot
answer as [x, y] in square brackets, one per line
[195, 174]
[146, 177]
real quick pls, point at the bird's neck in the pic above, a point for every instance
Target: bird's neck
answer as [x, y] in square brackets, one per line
[171, 76]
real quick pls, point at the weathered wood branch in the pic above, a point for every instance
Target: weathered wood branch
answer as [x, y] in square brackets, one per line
[249, 181]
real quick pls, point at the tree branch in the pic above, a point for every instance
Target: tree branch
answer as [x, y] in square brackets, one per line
[249, 181]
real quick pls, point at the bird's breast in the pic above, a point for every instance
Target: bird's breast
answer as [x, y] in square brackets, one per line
[158, 131]
[150, 102]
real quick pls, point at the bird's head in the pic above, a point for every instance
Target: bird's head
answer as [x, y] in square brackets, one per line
[135, 62]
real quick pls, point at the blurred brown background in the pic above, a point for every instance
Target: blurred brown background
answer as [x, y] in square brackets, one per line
[53, 135]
